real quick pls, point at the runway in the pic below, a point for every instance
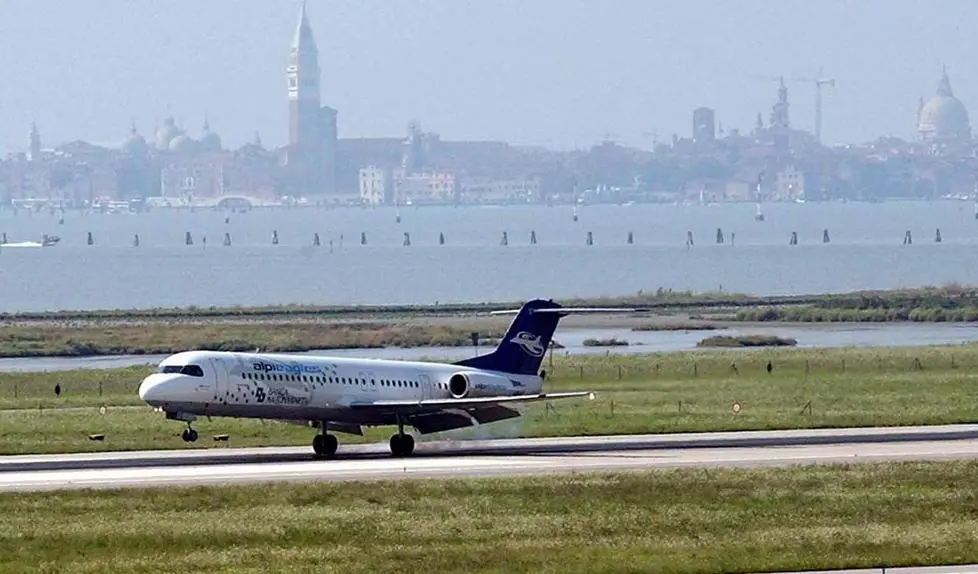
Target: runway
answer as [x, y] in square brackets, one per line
[963, 569]
[494, 458]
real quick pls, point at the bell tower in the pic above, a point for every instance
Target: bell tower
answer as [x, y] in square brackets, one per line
[303, 89]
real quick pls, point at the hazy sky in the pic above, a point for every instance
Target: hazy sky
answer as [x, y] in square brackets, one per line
[560, 73]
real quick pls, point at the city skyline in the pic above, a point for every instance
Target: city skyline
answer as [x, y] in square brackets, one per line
[579, 113]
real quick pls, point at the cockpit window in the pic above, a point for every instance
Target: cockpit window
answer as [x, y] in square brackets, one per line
[191, 370]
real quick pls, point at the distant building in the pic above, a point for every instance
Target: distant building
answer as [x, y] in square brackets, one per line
[425, 187]
[779, 124]
[790, 184]
[311, 153]
[943, 119]
[377, 185]
[704, 126]
[487, 190]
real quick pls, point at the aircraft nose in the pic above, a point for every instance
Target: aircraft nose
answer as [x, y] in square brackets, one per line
[153, 389]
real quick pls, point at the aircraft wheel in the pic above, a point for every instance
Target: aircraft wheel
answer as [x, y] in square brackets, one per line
[407, 445]
[189, 435]
[402, 445]
[325, 445]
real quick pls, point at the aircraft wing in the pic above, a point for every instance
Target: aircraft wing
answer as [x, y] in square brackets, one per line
[429, 404]
[436, 415]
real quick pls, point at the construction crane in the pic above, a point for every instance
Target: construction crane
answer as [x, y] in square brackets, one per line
[819, 81]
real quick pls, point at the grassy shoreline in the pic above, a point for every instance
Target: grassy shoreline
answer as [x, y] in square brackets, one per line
[296, 328]
[656, 393]
[88, 340]
[688, 520]
[944, 297]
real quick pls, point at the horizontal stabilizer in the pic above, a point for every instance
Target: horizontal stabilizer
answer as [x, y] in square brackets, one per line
[574, 310]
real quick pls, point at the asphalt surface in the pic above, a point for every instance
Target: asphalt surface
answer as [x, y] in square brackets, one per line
[197, 465]
[963, 569]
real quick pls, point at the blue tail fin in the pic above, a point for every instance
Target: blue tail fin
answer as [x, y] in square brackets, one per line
[522, 349]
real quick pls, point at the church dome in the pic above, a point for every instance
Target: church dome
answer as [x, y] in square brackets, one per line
[135, 144]
[943, 116]
[182, 143]
[167, 133]
[209, 141]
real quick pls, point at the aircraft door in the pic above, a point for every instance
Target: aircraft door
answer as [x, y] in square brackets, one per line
[426, 391]
[369, 381]
[220, 378]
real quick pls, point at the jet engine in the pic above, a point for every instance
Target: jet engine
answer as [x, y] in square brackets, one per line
[468, 385]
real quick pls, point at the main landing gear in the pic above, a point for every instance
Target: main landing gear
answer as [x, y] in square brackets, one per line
[324, 445]
[189, 435]
[401, 444]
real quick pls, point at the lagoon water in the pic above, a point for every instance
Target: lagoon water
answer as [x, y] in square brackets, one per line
[866, 251]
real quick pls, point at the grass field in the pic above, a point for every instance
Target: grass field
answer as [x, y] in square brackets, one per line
[667, 521]
[674, 392]
[44, 340]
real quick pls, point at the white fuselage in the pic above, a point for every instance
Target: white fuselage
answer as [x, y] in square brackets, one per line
[307, 387]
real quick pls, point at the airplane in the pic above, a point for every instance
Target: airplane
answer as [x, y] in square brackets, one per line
[342, 394]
